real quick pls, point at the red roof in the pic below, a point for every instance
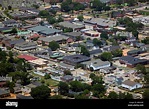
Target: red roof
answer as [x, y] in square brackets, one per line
[27, 57]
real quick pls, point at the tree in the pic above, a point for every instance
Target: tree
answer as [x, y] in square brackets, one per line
[128, 96]
[14, 30]
[104, 35]
[81, 96]
[51, 20]
[92, 75]
[11, 86]
[146, 78]
[35, 6]
[78, 38]
[119, 2]
[76, 86]
[84, 50]
[141, 68]
[113, 95]
[135, 33]
[117, 53]
[80, 17]
[56, 97]
[60, 19]
[44, 13]
[99, 88]
[53, 45]
[106, 56]
[65, 7]
[40, 92]
[63, 88]
[97, 80]
[47, 76]
[146, 40]
[67, 72]
[9, 7]
[97, 42]
[146, 94]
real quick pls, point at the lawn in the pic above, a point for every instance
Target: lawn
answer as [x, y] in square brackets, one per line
[51, 82]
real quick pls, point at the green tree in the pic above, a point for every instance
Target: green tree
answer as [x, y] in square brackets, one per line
[146, 78]
[84, 50]
[56, 97]
[146, 40]
[97, 42]
[47, 76]
[113, 95]
[76, 86]
[53, 45]
[40, 92]
[67, 72]
[78, 38]
[141, 68]
[104, 35]
[11, 86]
[80, 17]
[65, 6]
[81, 96]
[35, 6]
[97, 80]
[63, 88]
[146, 94]
[92, 75]
[51, 20]
[117, 53]
[43, 13]
[98, 88]
[106, 56]
[14, 30]
[128, 96]
[60, 19]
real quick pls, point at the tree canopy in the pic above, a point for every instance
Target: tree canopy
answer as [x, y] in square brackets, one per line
[40, 92]
[53, 45]
[63, 88]
[106, 56]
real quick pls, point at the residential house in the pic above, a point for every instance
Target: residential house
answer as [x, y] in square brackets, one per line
[25, 46]
[75, 59]
[101, 23]
[136, 52]
[19, 96]
[4, 93]
[11, 23]
[131, 85]
[96, 64]
[72, 35]
[27, 88]
[43, 30]
[66, 66]
[110, 48]
[59, 39]
[95, 52]
[67, 78]
[75, 27]
[132, 61]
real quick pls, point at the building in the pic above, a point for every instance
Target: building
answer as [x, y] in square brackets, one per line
[43, 30]
[75, 59]
[59, 39]
[27, 57]
[25, 46]
[110, 48]
[11, 23]
[72, 35]
[130, 85]
[19, 96]
[67, 78]
[96, 64]
[132, 61]
[4, 93]
[75, 27]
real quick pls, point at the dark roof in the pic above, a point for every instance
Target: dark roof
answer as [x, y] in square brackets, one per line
[72, 34]
[36, 83]
[111, 48]
[67, 77]
[16, 41]
[3, 92]
[19, 96]
[76, 58]
[5, 28]
[132, 60]
[130, 83]
[9, 21]
[95, 51]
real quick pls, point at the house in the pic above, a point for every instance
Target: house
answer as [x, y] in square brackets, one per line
[25, 46]
[110, 48]
[4, 93]
[119, 81]
[101, 23]
[96, 64]
[59, 39]
[106, 70]
[136, 52]
[27, 57]
[132, 61]
[75, 59]
[72, 35]
[45, 54]
[66, 66]
[27, 88]
[11, 42]
[11, 23]
[19, 96]
[43, 30]
[4, 30]
[67, 78]
[95, 52]
[29, 10]
[75, 27]
[130, 85]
